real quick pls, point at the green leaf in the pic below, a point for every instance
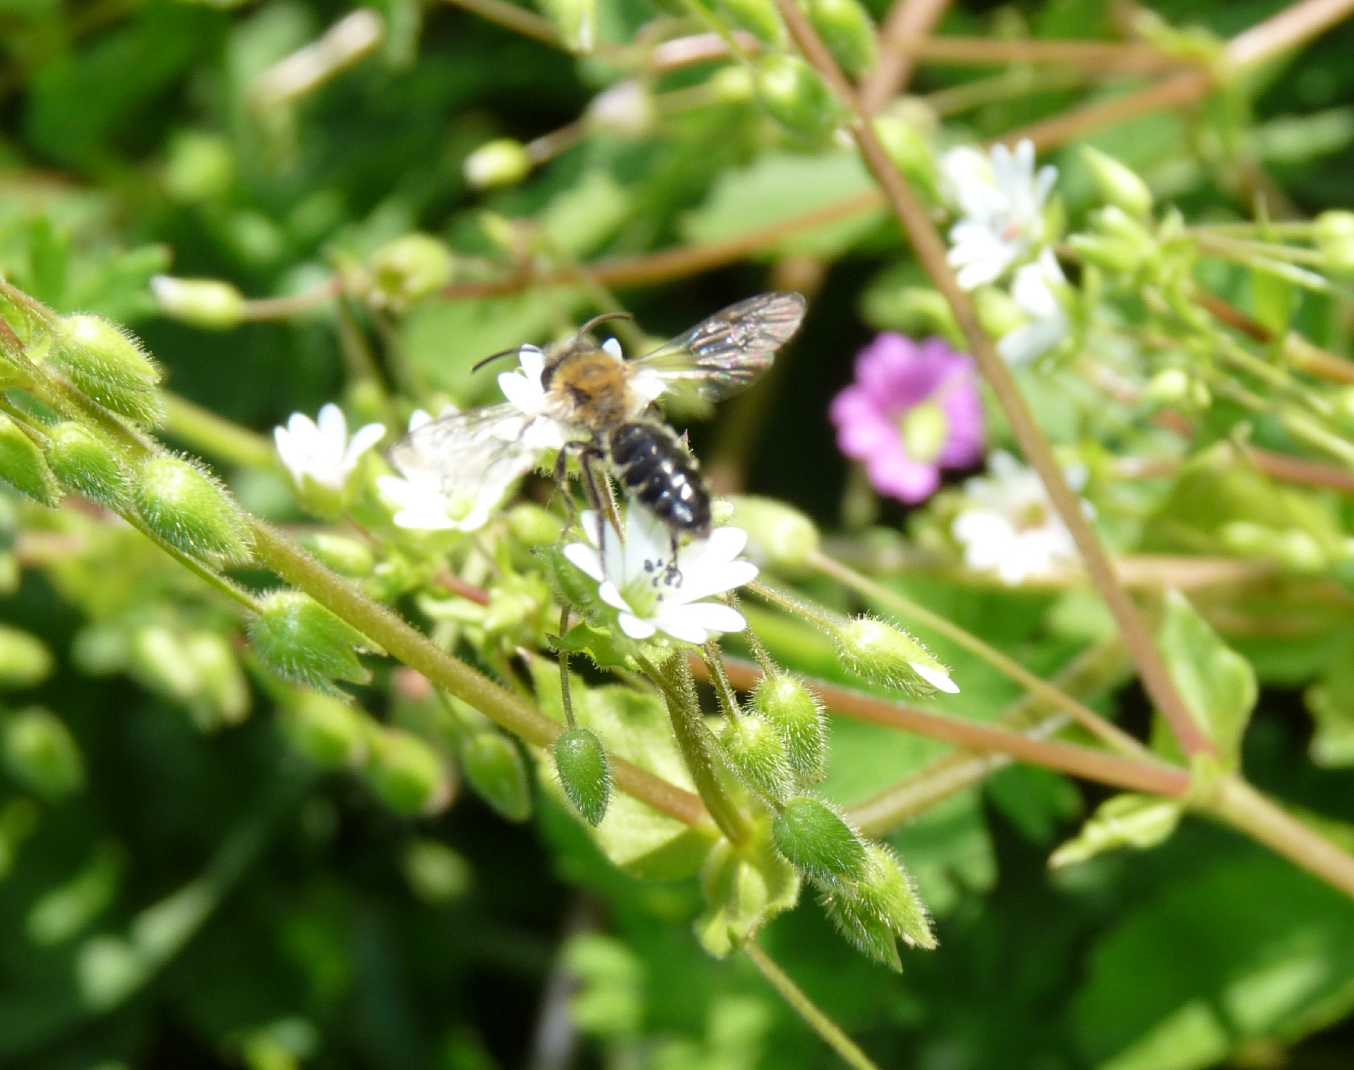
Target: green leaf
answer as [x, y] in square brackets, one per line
[1217, 684]
[1138, 821]
[1331, 701]
[634, 726]
[744, 889]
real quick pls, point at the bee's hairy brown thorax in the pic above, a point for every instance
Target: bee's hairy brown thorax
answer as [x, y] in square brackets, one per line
[589, 387]
[656, 469]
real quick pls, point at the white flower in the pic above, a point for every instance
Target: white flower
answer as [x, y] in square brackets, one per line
[322, 451]
[1035, 292]
[535, 427]
[1001, 197]
[1008, 525]
[655, 591]
[423, 502]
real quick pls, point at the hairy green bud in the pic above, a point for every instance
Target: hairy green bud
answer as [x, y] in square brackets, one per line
[210, 304]
[849, 33]
[304, 642]
[327, 730]
[584, 773]
[779, 536]
[25, 660]
[758, 17]
[406, 773]
[40, 753]
[109, 366]
[795, 96]
[879, 909]
[503, 162]
[757, 753]
[88, 464]
[1334, 234]
[818, 842]
[797, 715]
[495, 771]
[1117, 184]
[409, 269]
[888, 655]
[23, 466]
[533, 526]
[188, 508]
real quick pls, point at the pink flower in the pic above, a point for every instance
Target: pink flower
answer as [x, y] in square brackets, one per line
[913, 410]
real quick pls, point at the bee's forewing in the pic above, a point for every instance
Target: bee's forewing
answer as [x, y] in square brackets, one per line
[723, 354]
[467, 451]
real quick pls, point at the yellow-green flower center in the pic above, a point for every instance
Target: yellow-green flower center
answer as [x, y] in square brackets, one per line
[924, 429]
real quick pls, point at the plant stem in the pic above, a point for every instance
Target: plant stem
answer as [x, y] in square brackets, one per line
[820, 1023]
[930, 249]
[1153, 777]
[216, 436]
[1004, 664]
[512, 17]
[905, 30]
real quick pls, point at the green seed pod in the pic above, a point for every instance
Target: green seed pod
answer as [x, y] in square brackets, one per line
[88, 464]
[189, 509]
[346, 556]
[405, 773]
[816, 840]
[210, 304]
[304, 642]
[201, 167]
[109, 366]
[24, 659]
[436, 873]
[758, 755]
[23, 466]
[873, 913]
[778, 536]
[157, 658]
[496, 773]
[327, 730]
[904, 138]
[849, 33]
[409, 269]
[497, 163]
[1334, 233]
[888, 655]
[1118, 185]
[224, 690]
[533, 526]
[732, 85]
[40, 753]
[758, 17]
[797, 715]
[584, 773]
[796, 97]
[576, 21]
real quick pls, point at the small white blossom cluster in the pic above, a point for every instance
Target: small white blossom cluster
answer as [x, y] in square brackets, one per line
[320, 451]
[1000, 197]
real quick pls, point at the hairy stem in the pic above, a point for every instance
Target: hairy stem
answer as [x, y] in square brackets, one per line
[216, 436]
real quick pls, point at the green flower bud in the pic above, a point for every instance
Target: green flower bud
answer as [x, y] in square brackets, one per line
[88, 463]
[758, 17]
[1117, 242]
[405, 773]
[106, 363]
[495, 771]
[584, 773]
[779, 536]
[757, 753]
[1170, 386]
[224, 691]
[732, 85]
[497, 163]
[795, 96]
[997, 311]
[409, 269]
[207, 303]
[847, 30]
[1298, 550]
[888, 655]
[40, 753]
[201, 167]
[1117, 184]
[23, 466]
[157, 658]
[879, 909]
[436, 873]
[327, 730]
[910, 150]
[1334, 234]
[304, 642]
[576, 21]
[345, 555]
[816, 840]
[797, 715]
[24, 659]
[188, 508]
[570, 584]
[625, 110]
[534, 526]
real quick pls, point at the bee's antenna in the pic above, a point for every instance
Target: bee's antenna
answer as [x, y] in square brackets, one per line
[495, 356]
[603, 319]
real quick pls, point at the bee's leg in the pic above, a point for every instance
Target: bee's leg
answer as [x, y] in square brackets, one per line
[561, 475]
[672, 575]
[595, 482]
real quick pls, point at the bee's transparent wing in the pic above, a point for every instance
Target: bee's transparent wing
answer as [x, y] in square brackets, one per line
[470, 455]
[723, 354]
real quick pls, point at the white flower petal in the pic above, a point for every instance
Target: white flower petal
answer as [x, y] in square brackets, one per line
[363, 439]
[936, 677]
[679, 623]
[585, 559]
[612, 346]
[639, 629]
[713, 616]
[609, 593]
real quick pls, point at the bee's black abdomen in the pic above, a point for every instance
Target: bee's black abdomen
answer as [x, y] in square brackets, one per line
[661, 475]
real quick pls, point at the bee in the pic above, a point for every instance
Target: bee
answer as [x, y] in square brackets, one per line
[585, 400]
